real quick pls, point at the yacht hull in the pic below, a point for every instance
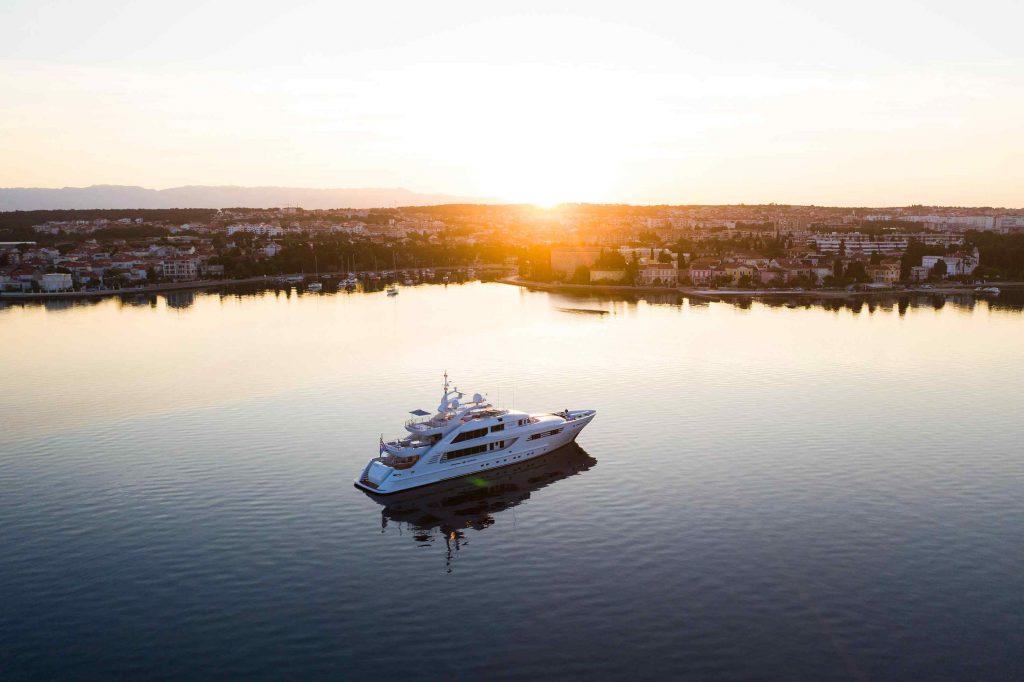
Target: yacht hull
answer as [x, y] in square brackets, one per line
[520, 451]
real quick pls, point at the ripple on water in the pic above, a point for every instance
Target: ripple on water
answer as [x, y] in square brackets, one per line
[766, 493]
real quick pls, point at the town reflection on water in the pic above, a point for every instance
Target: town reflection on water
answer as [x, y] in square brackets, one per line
[443, 512]
[1010, 299]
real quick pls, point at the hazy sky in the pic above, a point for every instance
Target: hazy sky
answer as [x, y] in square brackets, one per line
[869, 103]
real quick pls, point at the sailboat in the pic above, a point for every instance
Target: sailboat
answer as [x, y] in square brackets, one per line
[315, 285]
[393, 289]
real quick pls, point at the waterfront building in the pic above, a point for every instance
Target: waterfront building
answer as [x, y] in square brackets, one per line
[658, 274]
[703, 271]
[211, 270]
[886, 272]
[180, 268]
[955, 265]
[607, 275]
[737, 271]
[55, 281]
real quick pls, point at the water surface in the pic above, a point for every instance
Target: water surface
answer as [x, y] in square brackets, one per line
[767, 492]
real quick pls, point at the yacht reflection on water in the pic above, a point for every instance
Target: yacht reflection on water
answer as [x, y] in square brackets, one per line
[443, 511]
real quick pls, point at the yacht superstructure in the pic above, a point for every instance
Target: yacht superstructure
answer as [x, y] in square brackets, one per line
[464, 438]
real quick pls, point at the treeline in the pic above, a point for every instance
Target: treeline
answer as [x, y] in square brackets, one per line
[340, 253]
[17, 225]
[1001, 254]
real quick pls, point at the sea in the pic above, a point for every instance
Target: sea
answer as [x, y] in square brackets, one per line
[772, 489]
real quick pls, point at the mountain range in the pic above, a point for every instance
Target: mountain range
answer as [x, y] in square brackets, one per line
[210, 196]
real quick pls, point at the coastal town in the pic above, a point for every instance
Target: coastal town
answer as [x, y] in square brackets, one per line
[722, 248]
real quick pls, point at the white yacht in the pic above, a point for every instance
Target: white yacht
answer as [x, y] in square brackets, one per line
[466, 438]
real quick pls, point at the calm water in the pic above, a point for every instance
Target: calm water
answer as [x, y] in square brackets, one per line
[767, 492]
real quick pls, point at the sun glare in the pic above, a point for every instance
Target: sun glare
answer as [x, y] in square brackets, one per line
[544, 185]
[535, 168]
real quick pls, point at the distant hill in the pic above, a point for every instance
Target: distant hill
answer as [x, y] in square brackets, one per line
[207, 196]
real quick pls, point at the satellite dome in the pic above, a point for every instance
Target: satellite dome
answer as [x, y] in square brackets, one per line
[477, 398]
[455, 402]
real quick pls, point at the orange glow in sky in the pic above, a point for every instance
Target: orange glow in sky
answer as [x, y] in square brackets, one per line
[888, 103]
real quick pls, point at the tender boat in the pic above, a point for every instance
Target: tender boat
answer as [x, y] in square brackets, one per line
[315, 286]
[466, 438]
[392, 290]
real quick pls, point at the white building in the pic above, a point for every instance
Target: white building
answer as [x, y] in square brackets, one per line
[966, 222]
[180, 268]
[955, 265]
[56, 281]
[261, 229]
[855, 242]
[1008, 223]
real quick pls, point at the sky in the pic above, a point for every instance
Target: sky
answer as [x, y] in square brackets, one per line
[876, 103]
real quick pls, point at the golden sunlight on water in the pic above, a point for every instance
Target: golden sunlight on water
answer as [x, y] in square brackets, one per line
[111, 360]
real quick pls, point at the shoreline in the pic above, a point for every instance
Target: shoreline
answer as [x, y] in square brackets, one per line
[695, 292]
[156, 288]
[209, 284]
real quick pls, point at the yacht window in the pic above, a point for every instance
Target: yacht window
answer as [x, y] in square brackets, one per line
[544, 434]
[469, 435]
[465, 452]
[497, 427]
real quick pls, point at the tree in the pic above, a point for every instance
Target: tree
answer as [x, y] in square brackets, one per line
[856, 271]
[610, 260]
[632, 270]
[582, 275]
[940, 269]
